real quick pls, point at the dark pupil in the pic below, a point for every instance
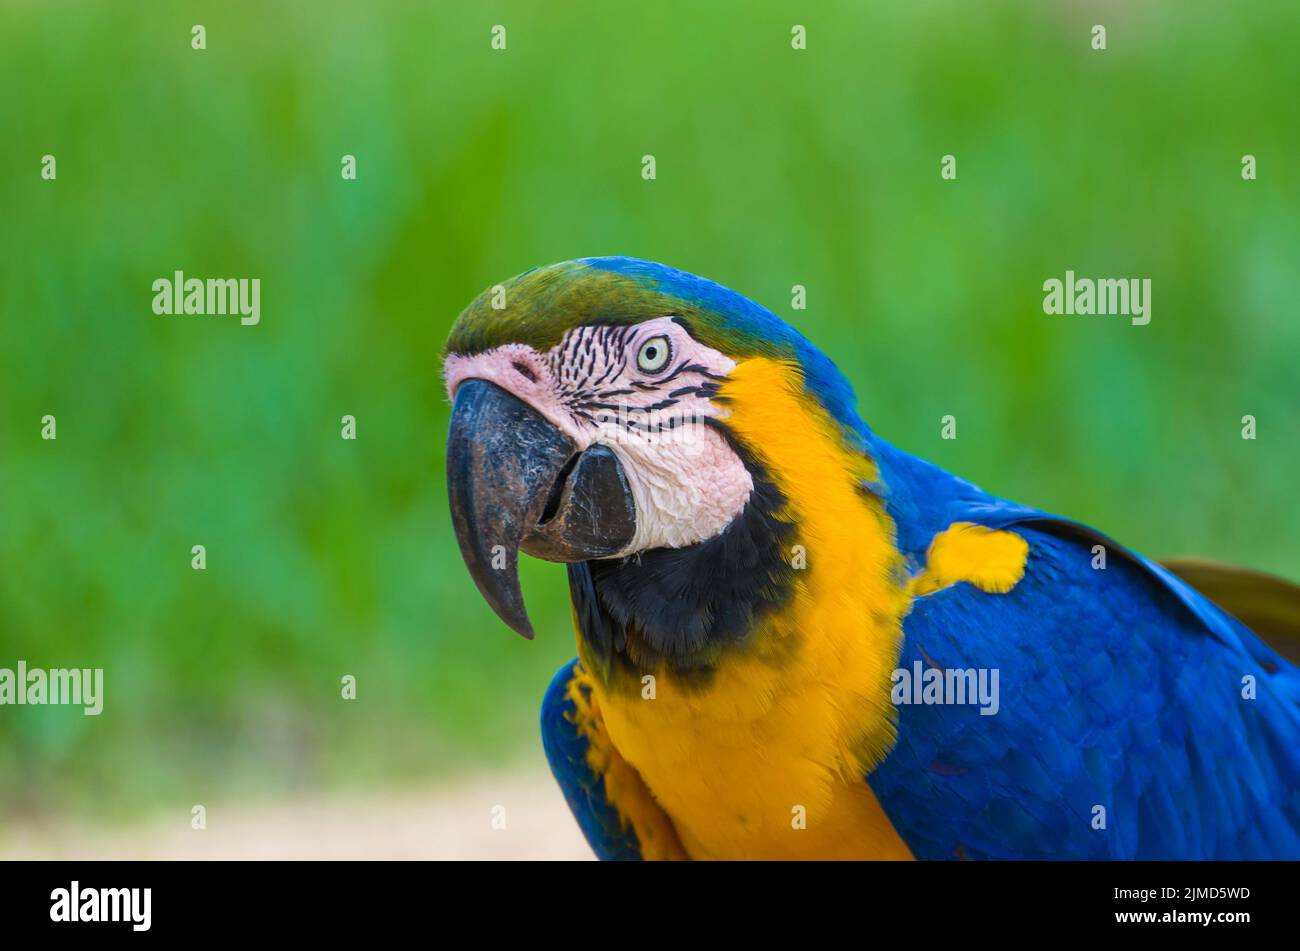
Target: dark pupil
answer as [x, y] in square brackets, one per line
[651, 354]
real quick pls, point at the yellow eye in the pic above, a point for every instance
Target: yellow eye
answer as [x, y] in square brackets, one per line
[653, 355]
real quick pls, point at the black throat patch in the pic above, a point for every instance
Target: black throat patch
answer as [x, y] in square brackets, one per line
[680, 608]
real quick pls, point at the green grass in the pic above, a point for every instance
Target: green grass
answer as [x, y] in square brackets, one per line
[775, 168]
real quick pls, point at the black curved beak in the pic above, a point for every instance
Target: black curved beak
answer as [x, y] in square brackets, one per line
[516, 482]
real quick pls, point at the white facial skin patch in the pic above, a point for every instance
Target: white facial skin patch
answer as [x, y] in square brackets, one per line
[645, 391]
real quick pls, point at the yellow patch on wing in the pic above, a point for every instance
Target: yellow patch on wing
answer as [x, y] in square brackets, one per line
[623, 786]
[993, 560]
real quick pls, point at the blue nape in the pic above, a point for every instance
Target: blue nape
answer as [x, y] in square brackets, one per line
[754, 322]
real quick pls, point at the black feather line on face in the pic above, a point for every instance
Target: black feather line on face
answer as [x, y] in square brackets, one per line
[681, 607]
[626, 407]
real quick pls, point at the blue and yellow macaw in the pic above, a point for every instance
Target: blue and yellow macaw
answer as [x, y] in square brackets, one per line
[797, 641]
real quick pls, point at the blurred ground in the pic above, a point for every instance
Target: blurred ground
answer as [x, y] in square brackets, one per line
[440, 822]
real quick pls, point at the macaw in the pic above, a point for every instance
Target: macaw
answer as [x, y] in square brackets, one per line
[795, 640]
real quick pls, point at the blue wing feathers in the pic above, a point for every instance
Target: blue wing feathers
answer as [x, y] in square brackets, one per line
[584, 790]
[1118, 690]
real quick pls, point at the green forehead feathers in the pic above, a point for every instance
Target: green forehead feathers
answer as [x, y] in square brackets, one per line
[539, 306]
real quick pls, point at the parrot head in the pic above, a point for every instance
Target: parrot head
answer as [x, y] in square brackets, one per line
[595, 423]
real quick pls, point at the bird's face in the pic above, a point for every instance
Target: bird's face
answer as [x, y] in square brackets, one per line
[604, 444]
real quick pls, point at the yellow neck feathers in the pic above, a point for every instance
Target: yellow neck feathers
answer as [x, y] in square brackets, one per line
[768, 758]
[842, 627]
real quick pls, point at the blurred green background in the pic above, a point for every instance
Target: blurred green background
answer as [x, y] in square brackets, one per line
[775, 167]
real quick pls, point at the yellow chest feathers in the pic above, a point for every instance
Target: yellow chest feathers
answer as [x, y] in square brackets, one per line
[765, 762]
[767, 756]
